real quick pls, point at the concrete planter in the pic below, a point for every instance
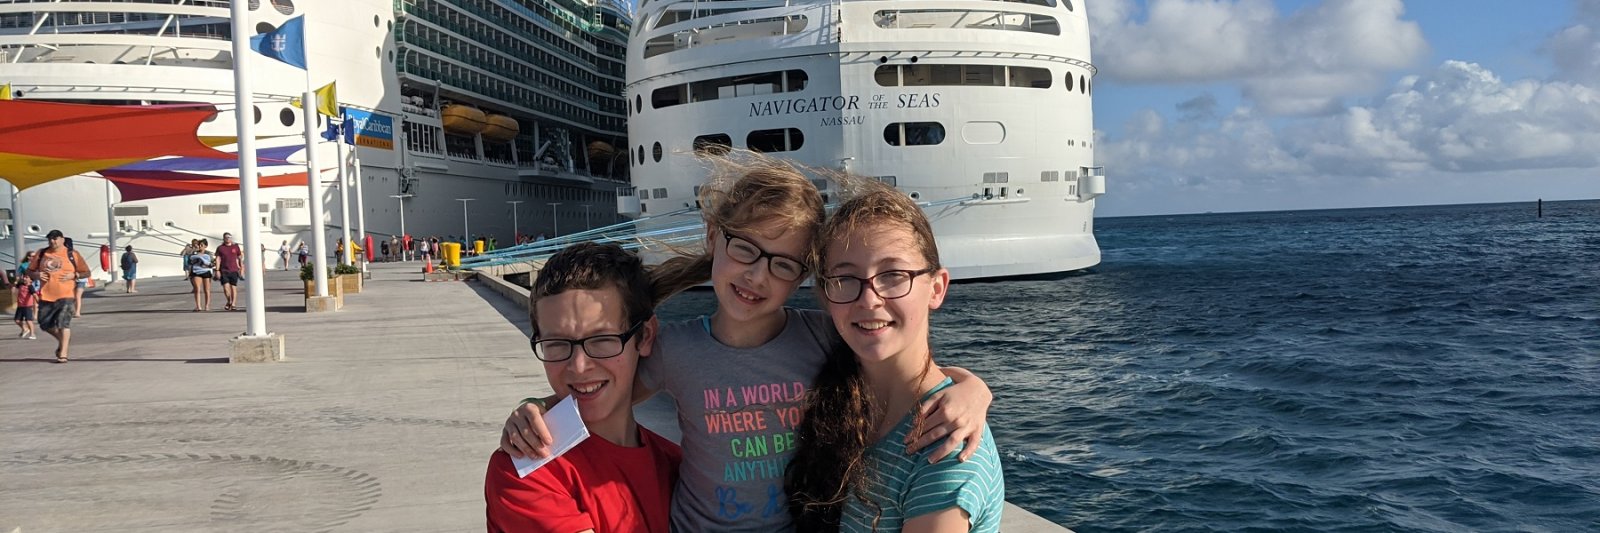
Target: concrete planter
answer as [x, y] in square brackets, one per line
[350, 283]
[334, 287]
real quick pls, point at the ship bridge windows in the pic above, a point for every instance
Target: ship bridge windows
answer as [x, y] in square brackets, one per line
[914, 134]
[965, 19]
[924, 75]
[724, 33]
[729, 87]
[777, 140]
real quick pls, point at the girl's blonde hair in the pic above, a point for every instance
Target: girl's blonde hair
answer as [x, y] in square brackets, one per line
[746, 190]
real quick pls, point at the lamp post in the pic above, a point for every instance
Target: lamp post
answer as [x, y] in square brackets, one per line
[516, 232]
[555, 225]
[586, 207]
[402, 198]
[466, 230]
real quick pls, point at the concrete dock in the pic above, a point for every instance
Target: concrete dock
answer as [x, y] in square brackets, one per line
[382, 418]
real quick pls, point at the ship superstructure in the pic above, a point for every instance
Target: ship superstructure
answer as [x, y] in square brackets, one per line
[978, 109]
[514, 104]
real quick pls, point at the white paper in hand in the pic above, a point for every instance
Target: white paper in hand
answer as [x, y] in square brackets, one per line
[566, 427]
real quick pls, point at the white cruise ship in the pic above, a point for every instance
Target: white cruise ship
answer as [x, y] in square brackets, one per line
[980, 109]
[513, 103]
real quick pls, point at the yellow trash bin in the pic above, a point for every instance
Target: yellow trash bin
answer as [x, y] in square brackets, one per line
[452, 254]
[477, 247]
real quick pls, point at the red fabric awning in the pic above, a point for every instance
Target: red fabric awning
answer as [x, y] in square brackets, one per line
[144, 185]
[45, 141]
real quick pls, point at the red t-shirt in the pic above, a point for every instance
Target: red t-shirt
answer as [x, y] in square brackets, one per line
[228, 257]
[597, 485]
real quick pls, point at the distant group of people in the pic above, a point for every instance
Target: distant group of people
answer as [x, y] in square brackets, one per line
[226, 265]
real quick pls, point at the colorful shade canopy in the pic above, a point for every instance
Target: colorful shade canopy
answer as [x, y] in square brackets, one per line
[45, 141]
[147, 184]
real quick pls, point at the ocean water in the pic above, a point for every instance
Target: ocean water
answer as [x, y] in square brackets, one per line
[1396, 369]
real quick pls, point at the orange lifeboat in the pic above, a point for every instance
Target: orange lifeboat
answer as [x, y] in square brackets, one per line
[500, 128]
[464, 119]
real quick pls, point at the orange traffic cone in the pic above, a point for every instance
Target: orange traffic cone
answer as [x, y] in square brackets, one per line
[427, 267]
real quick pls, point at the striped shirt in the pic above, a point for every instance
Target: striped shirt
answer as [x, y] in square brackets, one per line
[906, 486]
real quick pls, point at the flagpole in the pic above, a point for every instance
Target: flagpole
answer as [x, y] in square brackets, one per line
[344, 196]
[308, 115]
[243, 118]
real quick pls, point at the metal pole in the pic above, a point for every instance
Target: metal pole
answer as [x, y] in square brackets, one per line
[244, 120]
[111, 235]
[402, 214]
[361, 209]
[466, 231]
[344, 199]
[319, 239]
[555, 225]
[18, 246]
[516, 230]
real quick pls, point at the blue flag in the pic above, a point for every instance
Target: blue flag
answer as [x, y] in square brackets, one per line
[286, 44]
[346, 126]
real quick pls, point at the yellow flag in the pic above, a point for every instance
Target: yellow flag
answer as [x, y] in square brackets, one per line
[327, 101]
[5, 92]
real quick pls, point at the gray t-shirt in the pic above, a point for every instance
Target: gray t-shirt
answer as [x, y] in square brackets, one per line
[737, 408]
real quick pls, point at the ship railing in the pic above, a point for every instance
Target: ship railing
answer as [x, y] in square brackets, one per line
[625, 234]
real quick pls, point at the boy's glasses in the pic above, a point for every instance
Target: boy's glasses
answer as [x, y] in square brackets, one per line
[889, 285]
[742, 250]
[596, 347]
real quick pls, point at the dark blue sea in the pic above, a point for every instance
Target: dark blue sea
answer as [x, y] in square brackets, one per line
[1394, 369]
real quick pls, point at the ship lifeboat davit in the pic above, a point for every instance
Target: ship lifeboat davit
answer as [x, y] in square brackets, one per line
[464, 119]
[501, 128]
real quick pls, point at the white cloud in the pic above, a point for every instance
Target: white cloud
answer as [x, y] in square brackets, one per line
[1575, 49]
[1305, 63]
[1454, 119]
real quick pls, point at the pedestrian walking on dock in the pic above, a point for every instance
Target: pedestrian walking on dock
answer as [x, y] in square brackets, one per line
[130, 268]
[201, 264]
[78, 287]
[26, 300]
[57, 269]
[303, 254]
[230, 269]
[283, 254]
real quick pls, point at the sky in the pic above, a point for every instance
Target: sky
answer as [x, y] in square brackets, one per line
[1260, 105]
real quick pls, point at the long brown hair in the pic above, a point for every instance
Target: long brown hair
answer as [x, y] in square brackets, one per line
[746, 189]
[830, 464]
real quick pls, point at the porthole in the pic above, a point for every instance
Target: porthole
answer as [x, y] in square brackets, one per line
[655, 152]
[391, 25]
[638, 103]
[913, 134]
[916, 195]
[379, 51]
[284, 6]
[34, 228]
[776, 140]
[1090, 86]
[641, 154]
[714, 144]
[265, 27]
[1069, 82]
[376, 21]
[1083, 86]
[391, 56]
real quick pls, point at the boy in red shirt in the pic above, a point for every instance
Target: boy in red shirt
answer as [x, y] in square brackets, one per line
[592, 309]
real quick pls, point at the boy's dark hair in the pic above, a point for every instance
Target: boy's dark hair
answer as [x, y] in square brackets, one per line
[591, 266]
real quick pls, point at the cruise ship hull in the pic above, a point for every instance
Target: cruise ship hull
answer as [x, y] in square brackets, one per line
[979, 110]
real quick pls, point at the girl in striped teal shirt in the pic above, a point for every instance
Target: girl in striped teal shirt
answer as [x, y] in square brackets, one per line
[880, 278]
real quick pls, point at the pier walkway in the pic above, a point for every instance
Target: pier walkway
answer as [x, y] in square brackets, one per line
[382, 418]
